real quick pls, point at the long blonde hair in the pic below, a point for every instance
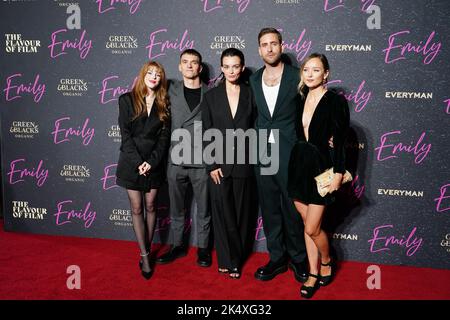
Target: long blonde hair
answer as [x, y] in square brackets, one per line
[301, 88]
[140, 91]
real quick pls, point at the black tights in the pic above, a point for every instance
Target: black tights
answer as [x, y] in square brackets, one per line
[139, 224]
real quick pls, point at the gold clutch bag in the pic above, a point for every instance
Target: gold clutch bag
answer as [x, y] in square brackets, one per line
[324, 179]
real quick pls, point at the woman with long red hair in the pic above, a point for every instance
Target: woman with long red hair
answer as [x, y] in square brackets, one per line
[144, 121]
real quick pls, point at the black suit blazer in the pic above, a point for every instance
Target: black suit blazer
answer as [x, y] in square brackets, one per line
[284, 115]
[146, 138]
[216, 114]
[331, 118]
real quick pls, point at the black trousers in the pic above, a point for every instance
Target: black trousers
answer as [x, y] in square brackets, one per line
[234, 217]
[283, 226]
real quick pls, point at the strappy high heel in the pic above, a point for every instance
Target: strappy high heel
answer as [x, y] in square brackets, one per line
[307, 291]
[146, 274]
[326, 280]
[142, 262]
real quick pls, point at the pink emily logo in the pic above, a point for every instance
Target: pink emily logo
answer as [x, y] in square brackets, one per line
[18, 171]
[333, 5]
[395, 52]
[361, 97]
[381, 242]
[419, 149]
[353, 192]
[15, 90]
[330, 5]
[447, 110]
[157, 48]
[358, 187]
[59, 46]
[211, 5]
[110, 93]
[163, 224]
[109, 179]
[62, 134]
[443, 201]
[298, 45]
[212, 81]
[64, 216]
[259, 229]
[105, 6]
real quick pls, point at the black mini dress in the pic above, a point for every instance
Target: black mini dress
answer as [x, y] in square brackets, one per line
[311, 157]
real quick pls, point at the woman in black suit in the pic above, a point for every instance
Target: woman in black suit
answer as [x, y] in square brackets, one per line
[323, 115]
[144, 125]
[227, 108]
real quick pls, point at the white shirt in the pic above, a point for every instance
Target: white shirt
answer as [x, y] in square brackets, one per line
[271, 94]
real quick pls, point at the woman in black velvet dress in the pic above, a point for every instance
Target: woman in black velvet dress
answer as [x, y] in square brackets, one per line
[323, 115]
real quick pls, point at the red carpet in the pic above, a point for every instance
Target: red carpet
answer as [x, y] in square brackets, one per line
[34, 267]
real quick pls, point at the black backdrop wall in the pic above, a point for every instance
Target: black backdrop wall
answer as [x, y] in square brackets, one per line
[61, 75]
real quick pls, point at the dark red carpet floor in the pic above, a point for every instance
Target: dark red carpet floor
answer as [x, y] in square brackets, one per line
[34, 267]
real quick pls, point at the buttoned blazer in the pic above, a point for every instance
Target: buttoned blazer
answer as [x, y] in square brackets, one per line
[216, 114]
[145, 138]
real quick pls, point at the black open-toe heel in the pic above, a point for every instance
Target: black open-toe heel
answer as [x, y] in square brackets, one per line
[235, 273]
[145, 274]
[223, 270]
[326, 280]
[306, 291]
